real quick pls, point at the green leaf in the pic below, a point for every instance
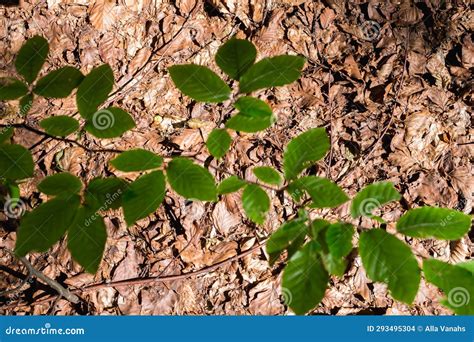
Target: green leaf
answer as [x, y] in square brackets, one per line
[295, 191]
[190, 180]
[143, 196]
[59, 83]
[272, 72]
[11, 88]
[323, 192]
[31, 57]
[335, 241]
[59, 126]
[253, 107]
[235, 56]
[296, 245]
[242, 123]
[304, 279]
[199, 83]
[109, 123]
[86, 239]
[16, 162]
[62, 183]
[339, 239]
[254, 115]
[218, 142]
[389, 260]
[267, 175]
[304, 150]
[105, 193]
[137, 160]
[14, 192]
[26, 102]
[468, 265]
[46, 224]
[440, 223]
[318, 226]
[334, 265]
[456, 282]
[6, 134]
[284, 237]
[256, 203]
[373, 196]
[230, 184]
[94, 90]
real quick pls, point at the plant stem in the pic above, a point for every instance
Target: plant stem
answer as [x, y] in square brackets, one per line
[75, 142]
[63, 292]
[71, 141]
[148, 280]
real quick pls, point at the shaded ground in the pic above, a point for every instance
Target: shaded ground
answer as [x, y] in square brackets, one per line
[391, 82]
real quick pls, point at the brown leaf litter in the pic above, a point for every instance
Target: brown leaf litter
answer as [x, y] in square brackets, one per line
[392, 82]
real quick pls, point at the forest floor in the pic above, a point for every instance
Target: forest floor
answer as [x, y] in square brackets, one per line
[390, 80]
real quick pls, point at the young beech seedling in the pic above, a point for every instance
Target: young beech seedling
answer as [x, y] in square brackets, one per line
[314, 250]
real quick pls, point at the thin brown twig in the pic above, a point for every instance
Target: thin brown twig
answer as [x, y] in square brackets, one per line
[18, 288]
[147, 280]
[71, 141]
[120, 90]
[193, 156]
[92, 150]
[217, 168]
[368, 152]
[62, 292]
[328, 168]
[179, 253]
[397, 94]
